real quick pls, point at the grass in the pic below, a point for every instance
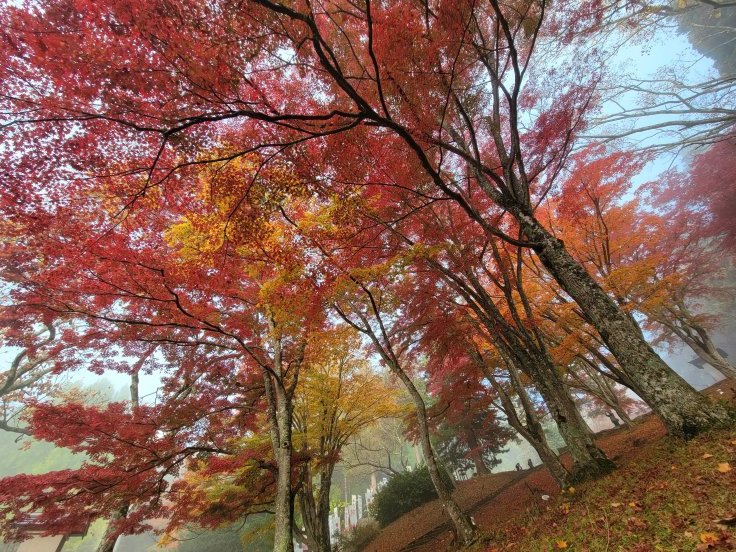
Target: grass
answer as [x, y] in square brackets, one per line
[673, 496]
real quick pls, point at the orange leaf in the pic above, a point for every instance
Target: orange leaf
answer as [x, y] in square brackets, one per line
[561, 545]
[724, 467]
[708, 538]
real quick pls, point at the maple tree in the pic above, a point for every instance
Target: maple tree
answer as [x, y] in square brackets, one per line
[660, 263]
[165, 84]
[366, 306]
[142, 283]
[490, 280]
[218, 189]
[467, 431]
[472, 356]
[26, 372]
[336, 399]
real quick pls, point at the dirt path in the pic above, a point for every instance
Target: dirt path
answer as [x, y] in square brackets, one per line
[495, 499]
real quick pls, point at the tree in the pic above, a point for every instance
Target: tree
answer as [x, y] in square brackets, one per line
[209, 279]
[359, 304]
[678, 107]
[466, 430]
[246, 79]
[658, 263]
[338, 397]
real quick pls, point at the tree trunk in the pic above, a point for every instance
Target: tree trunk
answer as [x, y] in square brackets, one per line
[279, 415]
[283, 505]
[707, 350]
[476, 456]
[316, 512]
[684, 411]
[465, 529]
[588, 460]
[719, 363]
[107, 543]
[532, 431]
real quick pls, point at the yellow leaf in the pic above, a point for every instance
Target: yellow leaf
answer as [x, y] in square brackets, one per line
[561, 545]
[724, 467]
[708, 538]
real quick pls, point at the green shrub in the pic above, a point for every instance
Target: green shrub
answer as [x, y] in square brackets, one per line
[403, 493]
[358, 538]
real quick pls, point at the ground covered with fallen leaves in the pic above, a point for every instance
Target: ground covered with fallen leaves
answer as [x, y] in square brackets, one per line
[675, 496]
[666, 495]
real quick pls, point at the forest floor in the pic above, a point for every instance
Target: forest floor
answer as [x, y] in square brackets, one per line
[666, 495]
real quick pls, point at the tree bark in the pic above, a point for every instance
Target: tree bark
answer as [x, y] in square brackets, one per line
[465, 529]
[316, 512]
[589, 461]
[476, 456]
[684, 411]
[107, 543]
[534, 360]
[532, 430]
[698, 339]
[280, 414]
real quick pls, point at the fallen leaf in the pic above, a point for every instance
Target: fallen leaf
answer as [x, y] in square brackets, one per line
[688, 534]
[724, 467]
[708, 538]
[706, 456]
[636, 523]
[616, 504]
[561, 545]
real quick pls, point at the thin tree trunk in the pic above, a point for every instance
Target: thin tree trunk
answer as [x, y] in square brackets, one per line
[316, 512]
[283, 503]
[107, 543]
[534, 360]
[532, 431]
[698, 339]
[601, 388]
[476, 456]
[523, 345]
[684, 411]
[465, 529]
[279, 415]
[589, 461]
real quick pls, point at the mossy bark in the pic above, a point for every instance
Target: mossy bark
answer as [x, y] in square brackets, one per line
[684, 411]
